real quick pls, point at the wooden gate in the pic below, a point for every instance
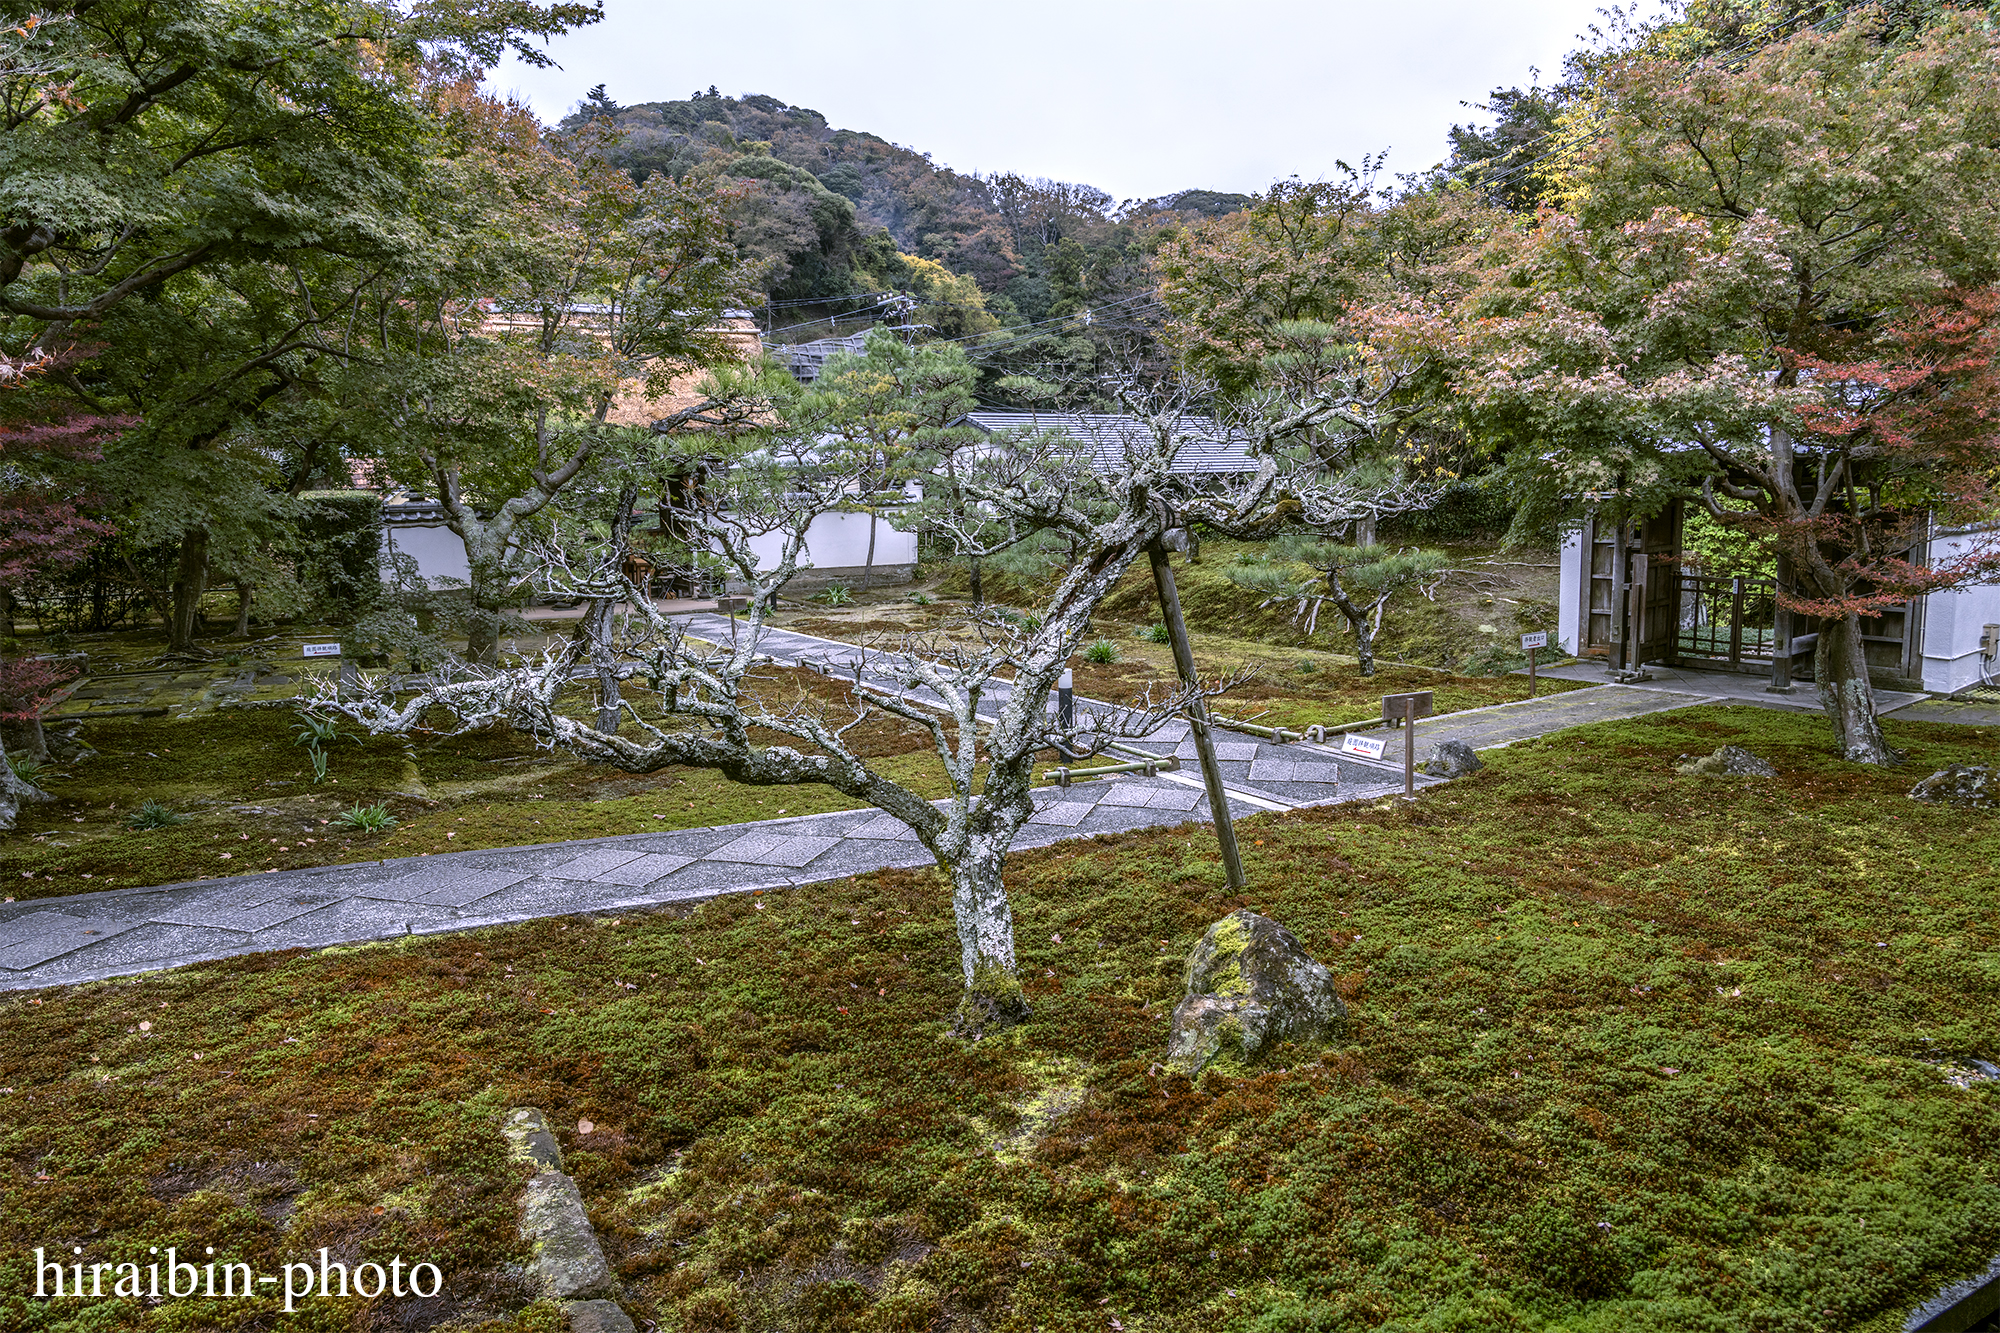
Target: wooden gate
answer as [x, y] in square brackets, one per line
[1634, 588]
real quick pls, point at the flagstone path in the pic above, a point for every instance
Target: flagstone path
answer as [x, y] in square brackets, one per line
[92, 936]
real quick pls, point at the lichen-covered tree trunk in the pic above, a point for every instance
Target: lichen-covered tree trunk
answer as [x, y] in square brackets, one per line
[1840, 666]
[868, 565]
[491, 586]
[1357, 620]
[993, 998]
[596, 626]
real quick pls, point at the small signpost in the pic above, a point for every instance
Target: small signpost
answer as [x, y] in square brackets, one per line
[1407, 708]
[347, 669]
[1529, 643]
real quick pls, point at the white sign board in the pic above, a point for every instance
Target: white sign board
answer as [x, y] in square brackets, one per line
[1540, 640]
[322, 650]
[1368, 747]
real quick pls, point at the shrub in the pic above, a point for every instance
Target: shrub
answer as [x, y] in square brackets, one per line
[835, 594]
[1103, 652]
[1493, 658]
[366, 818]
[1467, 511]
[154, 815]
[920, 599]
[1156, 634]
[1306, 666]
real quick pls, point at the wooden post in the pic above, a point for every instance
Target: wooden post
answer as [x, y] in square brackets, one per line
[1736, 622]
[1197, 714]
[1409, 748]
[1781, 635]
[1531, 671]
[1621, 630]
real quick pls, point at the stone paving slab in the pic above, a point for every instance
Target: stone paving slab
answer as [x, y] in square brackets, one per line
[772, 849]
[1502, 724]
[1151, 797]
[886, 827]
[241, 919]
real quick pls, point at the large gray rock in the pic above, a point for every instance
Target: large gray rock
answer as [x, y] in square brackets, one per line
[1967, 786]
[1731, 761]
[1452, 759]
[568, 1262]
[1250, 985]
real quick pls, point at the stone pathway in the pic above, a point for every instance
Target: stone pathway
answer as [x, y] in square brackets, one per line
[87, 937]
[1729, 687]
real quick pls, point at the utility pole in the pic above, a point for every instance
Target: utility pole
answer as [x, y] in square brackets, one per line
[1197, 713]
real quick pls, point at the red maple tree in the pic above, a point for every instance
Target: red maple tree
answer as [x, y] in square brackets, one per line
[1919, 423]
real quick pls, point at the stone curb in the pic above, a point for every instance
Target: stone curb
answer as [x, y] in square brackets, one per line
[568, 1265]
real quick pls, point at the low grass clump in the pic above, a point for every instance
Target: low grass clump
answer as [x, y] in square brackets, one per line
[1627, 1049]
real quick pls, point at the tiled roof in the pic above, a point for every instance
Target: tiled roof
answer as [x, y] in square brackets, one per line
[1208, 449]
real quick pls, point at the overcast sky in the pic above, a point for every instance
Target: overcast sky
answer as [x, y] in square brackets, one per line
[1139, 99]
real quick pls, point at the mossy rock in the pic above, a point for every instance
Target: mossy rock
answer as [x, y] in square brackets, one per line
[1966, 786]
[1250, 987]
[1731, 761]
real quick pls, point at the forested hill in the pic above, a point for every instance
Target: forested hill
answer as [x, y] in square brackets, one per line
[827, 212]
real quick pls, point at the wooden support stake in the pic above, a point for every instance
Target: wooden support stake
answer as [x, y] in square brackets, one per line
[1531, 671]
[1197, 714]
[1409, 748]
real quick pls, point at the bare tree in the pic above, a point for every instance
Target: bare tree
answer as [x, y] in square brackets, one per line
[982, 697]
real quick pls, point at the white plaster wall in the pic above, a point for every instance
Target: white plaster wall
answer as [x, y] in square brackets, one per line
[438, 551]
[1953, 622]
[840, 541]
[1569, 593]
[834, 541]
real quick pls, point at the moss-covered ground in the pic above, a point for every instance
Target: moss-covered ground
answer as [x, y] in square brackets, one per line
[250, 802]
[1629, 1050]
[1278, 685]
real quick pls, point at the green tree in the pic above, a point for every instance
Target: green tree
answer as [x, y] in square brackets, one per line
[889, 410]
[1303, 251]
[1767, 295]
[199, 189]
[560, 291]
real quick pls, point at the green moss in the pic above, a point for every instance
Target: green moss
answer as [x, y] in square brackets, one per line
[253, 806]
[1554, 1108]
[1226, 976]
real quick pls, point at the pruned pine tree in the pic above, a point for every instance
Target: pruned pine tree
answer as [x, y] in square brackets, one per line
[1357, 581]
[981, 693]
